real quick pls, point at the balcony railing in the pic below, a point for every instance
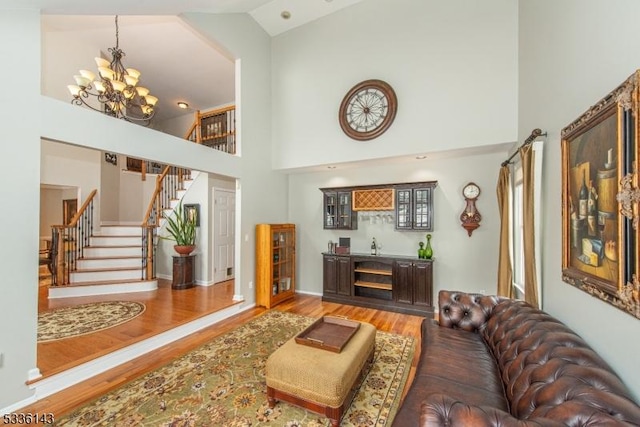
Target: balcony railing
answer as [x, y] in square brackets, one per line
[215, 129]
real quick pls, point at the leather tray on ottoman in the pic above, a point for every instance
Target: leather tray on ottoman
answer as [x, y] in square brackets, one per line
[316, 379]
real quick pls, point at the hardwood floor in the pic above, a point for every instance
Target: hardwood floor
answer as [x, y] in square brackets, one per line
[66, 400]
[165, 309]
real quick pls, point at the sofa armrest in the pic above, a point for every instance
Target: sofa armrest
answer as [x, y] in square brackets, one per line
[441, 410]
[466, 311]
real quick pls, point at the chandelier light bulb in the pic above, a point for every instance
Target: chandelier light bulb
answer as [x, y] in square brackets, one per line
[133, 73]
[75, 90]
[101, 62]
[142, 91]
[82, 81]
[151, 100]
[106, 73]
[130, 80]
[118, 86]
[99, 86]
[88, 74]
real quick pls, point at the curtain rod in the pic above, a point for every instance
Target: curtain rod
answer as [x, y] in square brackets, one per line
[534, 134]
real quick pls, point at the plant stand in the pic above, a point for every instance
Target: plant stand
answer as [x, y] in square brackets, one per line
[183, 272]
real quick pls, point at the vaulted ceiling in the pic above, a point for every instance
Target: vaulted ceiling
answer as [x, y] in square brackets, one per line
[177, 64]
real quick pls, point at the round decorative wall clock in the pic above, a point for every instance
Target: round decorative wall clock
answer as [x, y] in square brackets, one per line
[368, 110]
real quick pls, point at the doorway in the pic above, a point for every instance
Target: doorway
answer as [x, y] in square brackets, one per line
[224, 216]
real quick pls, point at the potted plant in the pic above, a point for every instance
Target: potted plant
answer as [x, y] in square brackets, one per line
[182, 230]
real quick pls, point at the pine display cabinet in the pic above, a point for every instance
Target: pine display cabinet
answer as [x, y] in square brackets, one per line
[275, 263]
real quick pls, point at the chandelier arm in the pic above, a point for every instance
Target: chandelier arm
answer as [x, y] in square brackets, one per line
[77, 100]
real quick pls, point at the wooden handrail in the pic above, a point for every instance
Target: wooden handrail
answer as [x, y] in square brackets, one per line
[215, 112]
[155, 196]
[76, 217]
[71, 240]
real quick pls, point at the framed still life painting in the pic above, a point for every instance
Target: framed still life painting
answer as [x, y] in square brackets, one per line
[599, 244]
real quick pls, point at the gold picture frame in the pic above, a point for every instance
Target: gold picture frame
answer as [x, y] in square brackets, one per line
[599, 244]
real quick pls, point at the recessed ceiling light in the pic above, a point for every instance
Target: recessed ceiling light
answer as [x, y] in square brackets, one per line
[183, 105]
[285, 14]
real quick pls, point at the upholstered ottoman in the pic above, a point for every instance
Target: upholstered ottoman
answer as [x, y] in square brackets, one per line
[316, 379]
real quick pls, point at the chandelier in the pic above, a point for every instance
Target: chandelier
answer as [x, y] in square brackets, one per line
[115, 87]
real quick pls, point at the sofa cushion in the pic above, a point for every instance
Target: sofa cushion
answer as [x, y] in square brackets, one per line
[549, 371]
[470, 312]
[455, 362]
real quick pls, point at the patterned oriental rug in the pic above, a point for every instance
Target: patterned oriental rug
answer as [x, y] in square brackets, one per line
[222, 384]
[85, 319]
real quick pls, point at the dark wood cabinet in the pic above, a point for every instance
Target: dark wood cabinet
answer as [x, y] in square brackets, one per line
[411, 202]
[413, 282]
[338, 213]
[414, 207]
[183, 272]
[336, 277]
[400, 284]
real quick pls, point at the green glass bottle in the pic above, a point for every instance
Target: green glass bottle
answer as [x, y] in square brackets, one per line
[421, 251]
[428, 251]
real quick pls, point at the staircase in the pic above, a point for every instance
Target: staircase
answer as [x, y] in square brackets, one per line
[111, 264]
[119, 258]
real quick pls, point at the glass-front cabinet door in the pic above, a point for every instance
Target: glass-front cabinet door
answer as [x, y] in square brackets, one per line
[283, 260]
[422, 209]
[338, 212]
[403, 209]
[414, 208]
[330, 209]
[344, 209]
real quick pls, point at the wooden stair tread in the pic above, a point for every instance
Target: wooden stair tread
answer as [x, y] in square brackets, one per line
[135, 236]
[100, 270]
[95, 258]
[113, 246]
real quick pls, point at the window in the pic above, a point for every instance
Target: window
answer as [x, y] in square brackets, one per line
[517, 223]
[517, 244]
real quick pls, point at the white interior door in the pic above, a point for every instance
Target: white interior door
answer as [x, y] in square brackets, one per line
[224, 217]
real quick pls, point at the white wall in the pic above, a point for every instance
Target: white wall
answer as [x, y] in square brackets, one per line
[573, 53]
[453, 66]
[261, 193]
[110, 188]
[20, 136]
[461, 262]
[50, 209]
[72, 166]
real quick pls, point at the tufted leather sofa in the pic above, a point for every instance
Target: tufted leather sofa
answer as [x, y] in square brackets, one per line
[492, 361]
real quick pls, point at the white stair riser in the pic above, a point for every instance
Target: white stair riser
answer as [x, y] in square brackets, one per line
[116, 241]
[91, 276]
[120, 231]
[84, 264]
[88, 290]
[112, 252]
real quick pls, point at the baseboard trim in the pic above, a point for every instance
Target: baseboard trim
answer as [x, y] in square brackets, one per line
[317, 294]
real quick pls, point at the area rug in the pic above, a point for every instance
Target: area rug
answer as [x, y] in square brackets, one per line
[85, 319]
[222, 384]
